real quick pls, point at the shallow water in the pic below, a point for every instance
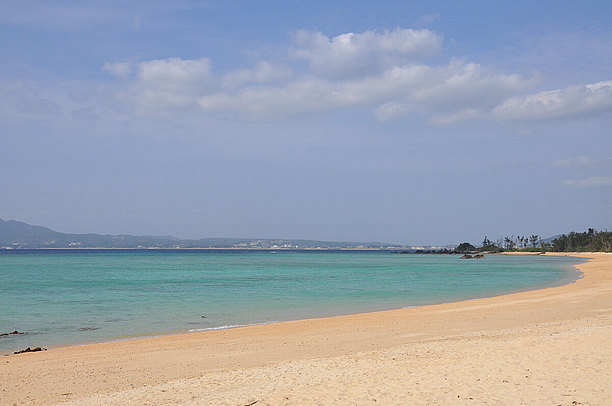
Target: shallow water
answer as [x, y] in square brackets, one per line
[65, 298]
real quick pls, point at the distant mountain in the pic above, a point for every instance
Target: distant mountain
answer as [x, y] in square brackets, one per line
[16, 234]
[550, 239]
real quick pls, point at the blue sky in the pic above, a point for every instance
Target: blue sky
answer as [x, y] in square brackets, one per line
[407, 122]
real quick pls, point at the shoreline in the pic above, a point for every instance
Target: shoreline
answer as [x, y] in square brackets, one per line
[123, 368]
[567, 280]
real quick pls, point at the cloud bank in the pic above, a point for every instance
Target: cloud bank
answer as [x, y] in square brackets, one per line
[572, 101]
[361, 54]
[395, 75]
[595, 181]
[581, 161]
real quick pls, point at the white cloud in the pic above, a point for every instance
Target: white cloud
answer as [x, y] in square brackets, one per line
[300, 97]
[581, 161]
[467, 84]
[391, 110]
[173, 82]
[359, 54]
[262, 72]
[119, 69]
[399, 91]
[175, 73]
[590, 182]
[461, 91]
[572, 101]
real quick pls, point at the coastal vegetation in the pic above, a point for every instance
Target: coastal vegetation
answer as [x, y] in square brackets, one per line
[588, 241]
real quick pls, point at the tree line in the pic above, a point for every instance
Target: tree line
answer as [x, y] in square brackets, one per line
[590, 240]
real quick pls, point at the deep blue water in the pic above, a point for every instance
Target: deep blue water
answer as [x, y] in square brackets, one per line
[61, 298]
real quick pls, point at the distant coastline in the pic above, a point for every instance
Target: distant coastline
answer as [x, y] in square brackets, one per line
[194, 249]
[19, 235]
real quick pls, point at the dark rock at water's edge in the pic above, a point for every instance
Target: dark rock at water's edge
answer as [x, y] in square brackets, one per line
[468, 256]
[35, 349]
[442, 251]
[12, 333]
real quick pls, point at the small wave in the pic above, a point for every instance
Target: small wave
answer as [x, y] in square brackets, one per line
[195, 330]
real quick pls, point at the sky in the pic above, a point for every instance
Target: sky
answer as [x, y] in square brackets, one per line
[396, 121]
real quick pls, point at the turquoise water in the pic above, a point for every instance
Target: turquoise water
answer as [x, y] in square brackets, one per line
[69, 298]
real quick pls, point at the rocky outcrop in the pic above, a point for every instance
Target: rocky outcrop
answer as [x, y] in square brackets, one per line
[12, 333]
[35, 349]
[476, 256]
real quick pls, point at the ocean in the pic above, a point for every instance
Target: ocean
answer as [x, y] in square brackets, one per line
[70, 297]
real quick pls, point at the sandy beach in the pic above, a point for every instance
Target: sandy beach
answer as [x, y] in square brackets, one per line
[546, 347]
